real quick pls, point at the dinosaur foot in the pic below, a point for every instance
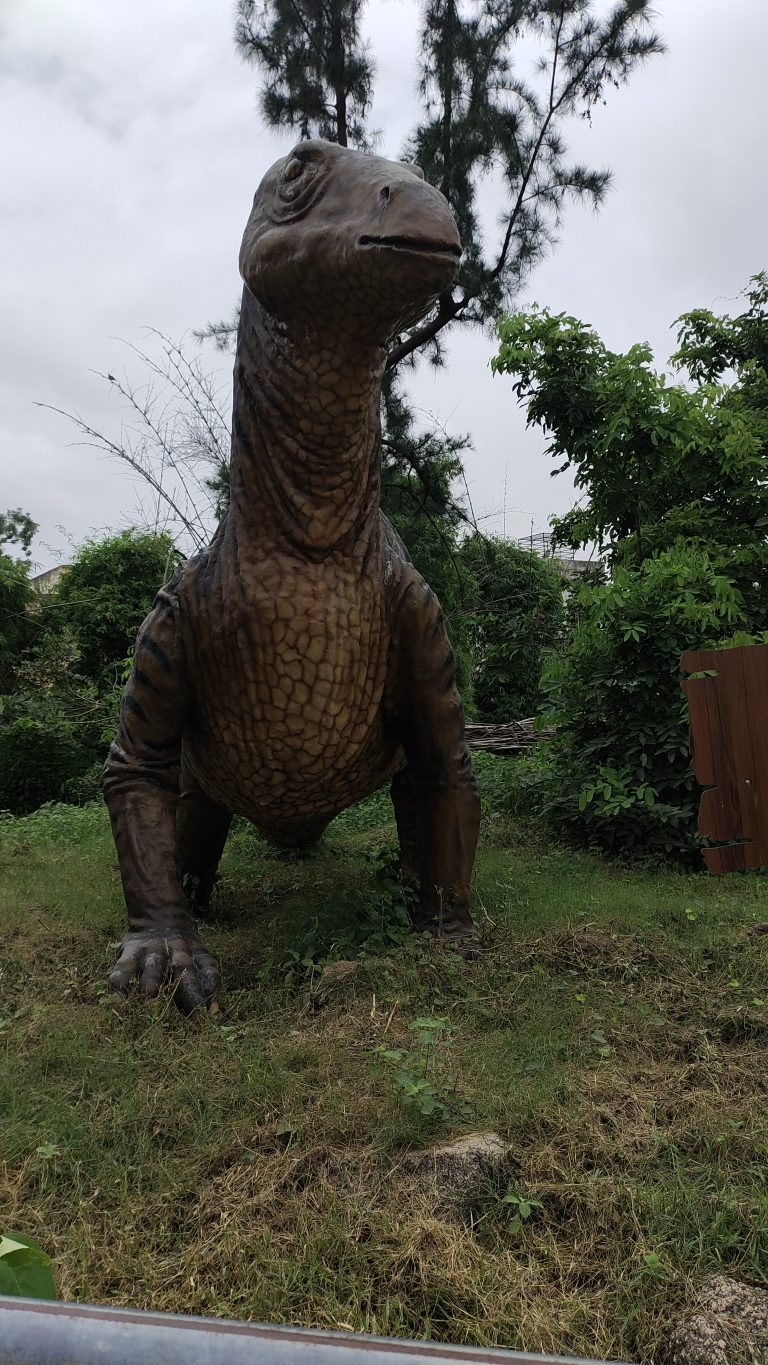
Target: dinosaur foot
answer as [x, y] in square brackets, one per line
[157, 960]
[457, 930]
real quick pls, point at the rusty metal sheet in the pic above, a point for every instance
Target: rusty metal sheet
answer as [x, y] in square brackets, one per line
[729, 748]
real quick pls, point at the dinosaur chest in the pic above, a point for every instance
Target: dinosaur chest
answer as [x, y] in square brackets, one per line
[290, 685]
[308, 659]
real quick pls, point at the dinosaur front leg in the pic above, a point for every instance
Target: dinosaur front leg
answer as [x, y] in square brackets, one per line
[141, 786]
[202, 827]
[437, 798]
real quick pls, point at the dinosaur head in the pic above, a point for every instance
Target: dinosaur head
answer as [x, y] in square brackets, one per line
[345, 240]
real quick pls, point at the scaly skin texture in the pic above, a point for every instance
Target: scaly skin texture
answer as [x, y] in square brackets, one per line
[300, 662]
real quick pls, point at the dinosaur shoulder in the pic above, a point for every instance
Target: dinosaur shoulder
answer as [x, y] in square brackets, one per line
[394, 548]
[417, 611]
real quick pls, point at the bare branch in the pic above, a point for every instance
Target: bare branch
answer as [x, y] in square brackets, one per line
[175, 437]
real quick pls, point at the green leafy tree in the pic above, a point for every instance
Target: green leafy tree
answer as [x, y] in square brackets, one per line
[710, 344]
[515, 622]
[17, 528]
[618, 771]
[660, 463]
[675, 494]
[104, 596]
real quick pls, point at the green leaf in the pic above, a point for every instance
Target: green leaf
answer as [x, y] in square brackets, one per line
[25, 1270]
[48, 1150]
[402, 1078]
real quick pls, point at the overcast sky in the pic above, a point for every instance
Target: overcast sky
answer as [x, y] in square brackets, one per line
[130, 148]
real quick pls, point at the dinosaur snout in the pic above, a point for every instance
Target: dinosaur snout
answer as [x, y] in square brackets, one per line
[412, 217]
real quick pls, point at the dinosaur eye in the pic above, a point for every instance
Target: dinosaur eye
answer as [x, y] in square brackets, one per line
[300, 180]
[297, 180]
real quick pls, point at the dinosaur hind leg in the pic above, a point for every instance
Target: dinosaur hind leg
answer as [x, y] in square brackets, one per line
[202, 827]
[407, 821]
[439, 800]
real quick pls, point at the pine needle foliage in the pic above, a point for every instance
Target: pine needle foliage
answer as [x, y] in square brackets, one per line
[318, 75]
[483, 116]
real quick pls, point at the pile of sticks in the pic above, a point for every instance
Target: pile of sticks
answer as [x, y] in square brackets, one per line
[509, 740]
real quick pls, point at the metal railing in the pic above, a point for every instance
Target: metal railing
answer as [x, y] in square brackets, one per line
[35, 1332]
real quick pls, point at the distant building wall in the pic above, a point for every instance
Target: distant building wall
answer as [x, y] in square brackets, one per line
[44, 582]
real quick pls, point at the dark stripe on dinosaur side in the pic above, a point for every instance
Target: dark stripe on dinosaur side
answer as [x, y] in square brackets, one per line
[449, 665]
[162, 746]
[130, 703]
[153, 648]
[144, 679]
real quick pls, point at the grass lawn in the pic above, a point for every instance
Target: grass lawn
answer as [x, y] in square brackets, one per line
[614, 1031]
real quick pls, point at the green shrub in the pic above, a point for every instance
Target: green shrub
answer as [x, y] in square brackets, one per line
[85, 787]
[515, 788]
[35, 759]
[51, 825]
[103, 598]
[617, 773]
[54, 734]
[514, 618]
[16, 594]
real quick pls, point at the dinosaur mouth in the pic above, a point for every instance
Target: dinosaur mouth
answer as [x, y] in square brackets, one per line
[418, 244]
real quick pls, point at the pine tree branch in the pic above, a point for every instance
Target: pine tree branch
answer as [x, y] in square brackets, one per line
[551, 109]
[448, 309]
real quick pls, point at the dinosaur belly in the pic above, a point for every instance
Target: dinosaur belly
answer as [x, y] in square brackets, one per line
[288, 726]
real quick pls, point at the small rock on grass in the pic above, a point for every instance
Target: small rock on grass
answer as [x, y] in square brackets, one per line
[729, 1326]
[459, 1172]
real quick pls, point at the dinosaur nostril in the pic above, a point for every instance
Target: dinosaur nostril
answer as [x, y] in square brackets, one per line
[385, 194]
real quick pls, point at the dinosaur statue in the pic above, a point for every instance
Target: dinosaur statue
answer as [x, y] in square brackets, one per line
[300, 662]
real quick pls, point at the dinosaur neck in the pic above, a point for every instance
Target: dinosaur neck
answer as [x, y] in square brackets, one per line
[305, 437]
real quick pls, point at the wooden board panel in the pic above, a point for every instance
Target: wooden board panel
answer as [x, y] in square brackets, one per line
[729, 743]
